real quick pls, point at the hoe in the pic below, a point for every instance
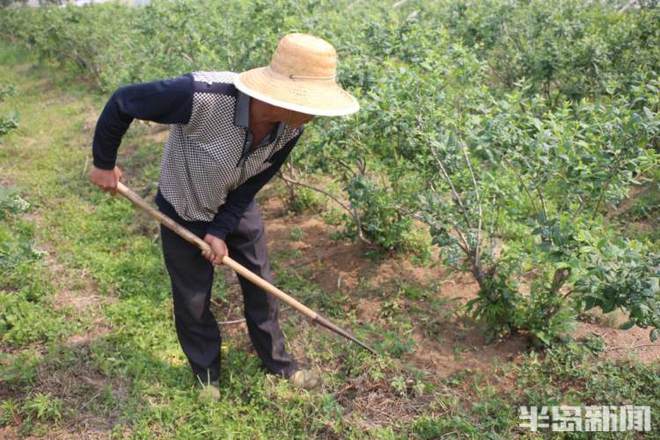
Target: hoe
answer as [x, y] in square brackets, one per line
[239, 269]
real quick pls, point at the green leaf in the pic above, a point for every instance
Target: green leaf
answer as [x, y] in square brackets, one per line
[627, 325]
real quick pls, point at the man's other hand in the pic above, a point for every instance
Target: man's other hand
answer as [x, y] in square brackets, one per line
[218, 249]
[106, 179]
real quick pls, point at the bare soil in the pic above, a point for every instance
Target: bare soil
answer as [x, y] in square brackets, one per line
[458, 345]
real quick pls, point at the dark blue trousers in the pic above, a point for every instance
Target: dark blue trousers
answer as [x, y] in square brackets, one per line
[191, 276]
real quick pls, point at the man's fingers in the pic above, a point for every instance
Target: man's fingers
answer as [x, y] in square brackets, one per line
[218, 254]
[106, 180]
[214, 258]
[217, 249]
[209, 255]
[108, 186]
[112, 189]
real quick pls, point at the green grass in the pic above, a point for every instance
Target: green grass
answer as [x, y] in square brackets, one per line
[26, 311]
[128, 376]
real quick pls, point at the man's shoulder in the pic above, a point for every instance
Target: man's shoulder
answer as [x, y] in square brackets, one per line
[214, 82]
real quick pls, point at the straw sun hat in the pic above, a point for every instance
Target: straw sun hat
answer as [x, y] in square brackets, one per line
[301, 77]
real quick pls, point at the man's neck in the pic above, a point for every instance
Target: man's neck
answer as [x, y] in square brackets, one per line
[264, 114]
[262, 120]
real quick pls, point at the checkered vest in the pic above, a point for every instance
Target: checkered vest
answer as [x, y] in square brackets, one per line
[201, 162]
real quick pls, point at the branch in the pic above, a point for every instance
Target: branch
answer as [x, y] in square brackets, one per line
[457, 198]
[540, 193]
[559, 278]
[522, 183]
[346, 166]
[480, 210]
[633, 347]
[464, 245]
[233, 321]
[350, 209]
[628, 5]
[491, 228]
[313, 188]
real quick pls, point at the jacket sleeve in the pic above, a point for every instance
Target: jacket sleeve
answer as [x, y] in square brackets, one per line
[166, 102]
[229, 214]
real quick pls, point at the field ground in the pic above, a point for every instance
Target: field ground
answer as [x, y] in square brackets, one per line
[89, 349]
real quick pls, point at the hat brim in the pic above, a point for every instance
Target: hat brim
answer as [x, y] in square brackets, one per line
[310, 96]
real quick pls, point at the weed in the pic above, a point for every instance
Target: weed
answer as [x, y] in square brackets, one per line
[44, 407]
[297, 234]
[19, 369]
[11, 202]
[395, 344]
[9, 410]
[428, 428]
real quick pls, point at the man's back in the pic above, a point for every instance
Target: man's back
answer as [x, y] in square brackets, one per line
[206, 157]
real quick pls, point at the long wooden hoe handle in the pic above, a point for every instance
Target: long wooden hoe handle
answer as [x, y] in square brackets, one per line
[238, 268]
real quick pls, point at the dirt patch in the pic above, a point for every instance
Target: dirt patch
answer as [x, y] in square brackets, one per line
[9, 433]
[80, 386]
[97, 330]
[399, 269]
[75, 288]
[343, 266]
[626, 204]
[6, 182]
[369, 309]
[633, 343]
[78, 300]
[461, 286]
[334, 264]
[374, 404]
[461, 348]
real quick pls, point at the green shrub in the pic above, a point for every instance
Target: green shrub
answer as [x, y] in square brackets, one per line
[10, 121]
[622, 274]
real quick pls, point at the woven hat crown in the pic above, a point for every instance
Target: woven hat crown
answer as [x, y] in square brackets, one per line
[301, 77]
[302, 56]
